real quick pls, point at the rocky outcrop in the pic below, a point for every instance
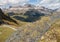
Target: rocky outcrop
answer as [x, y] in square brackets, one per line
[4, 17]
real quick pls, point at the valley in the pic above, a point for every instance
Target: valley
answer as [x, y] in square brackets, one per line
[31, 25]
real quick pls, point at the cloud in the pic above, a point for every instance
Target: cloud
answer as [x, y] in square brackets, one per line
[17, 1]
[52, 4]
[49, 1]
[3, 2]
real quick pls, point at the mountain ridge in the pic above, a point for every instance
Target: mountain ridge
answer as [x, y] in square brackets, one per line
[4, 17]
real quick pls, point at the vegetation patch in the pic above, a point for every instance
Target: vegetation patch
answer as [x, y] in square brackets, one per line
[5, 33]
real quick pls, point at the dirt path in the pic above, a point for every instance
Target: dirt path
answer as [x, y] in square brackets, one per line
[9, 27]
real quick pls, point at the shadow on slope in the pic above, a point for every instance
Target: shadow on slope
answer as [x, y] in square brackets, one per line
[11, 14]
[31, 16]
[4, 17]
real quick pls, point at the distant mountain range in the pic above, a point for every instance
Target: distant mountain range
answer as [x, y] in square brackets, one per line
[27, 7]
[30, 10]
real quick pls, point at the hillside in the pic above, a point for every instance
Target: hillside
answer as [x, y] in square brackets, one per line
[5, 17]
[39, 22]
[32, 25]
[53, 34]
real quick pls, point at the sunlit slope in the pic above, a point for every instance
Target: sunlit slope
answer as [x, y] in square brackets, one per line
[32, 26]
[34, 31]
[53, 34]
[5, 32]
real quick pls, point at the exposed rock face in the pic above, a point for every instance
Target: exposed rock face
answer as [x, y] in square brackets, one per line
[4, 17]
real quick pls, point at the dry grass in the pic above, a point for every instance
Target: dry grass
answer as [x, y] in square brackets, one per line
[33, 30]
[53, 34]
[5, 33]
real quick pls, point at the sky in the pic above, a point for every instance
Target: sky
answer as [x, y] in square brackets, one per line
[7, 3]
[52, 4]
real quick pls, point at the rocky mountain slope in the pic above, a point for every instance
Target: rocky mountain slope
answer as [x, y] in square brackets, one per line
[37, 23]
[4, 17]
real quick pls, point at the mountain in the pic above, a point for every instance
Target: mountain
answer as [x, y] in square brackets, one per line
[4, 17]
[26, 7]
[40, 25]
[36, 23]
[28, 13]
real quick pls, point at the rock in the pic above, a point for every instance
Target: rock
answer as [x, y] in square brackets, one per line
[4, 17]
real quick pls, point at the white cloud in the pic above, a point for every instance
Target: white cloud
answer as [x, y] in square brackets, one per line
[3, 2]
[45, 1]
[49, 1]
[52, 4]
[17, 1]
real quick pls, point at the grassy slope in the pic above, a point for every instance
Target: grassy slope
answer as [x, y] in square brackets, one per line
[53, 34]
[32, 31]
[4, 33]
